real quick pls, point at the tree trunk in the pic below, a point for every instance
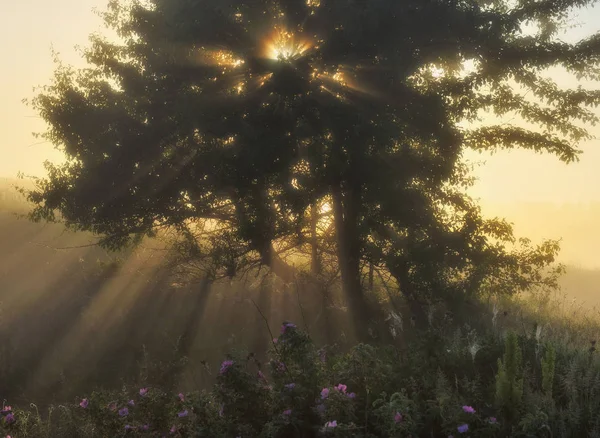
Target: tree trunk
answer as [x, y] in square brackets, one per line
[400, 271]
[348, 249]
[315, 262]
[280, 268]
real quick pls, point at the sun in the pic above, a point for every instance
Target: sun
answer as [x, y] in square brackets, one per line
[285, 46]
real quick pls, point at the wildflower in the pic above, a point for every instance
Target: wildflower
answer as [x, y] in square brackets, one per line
[225, 366]
[290, 386]
[274, 340]
[321, 408]
[182, 397]
[221, 410]
[468, 409]
[287, 412]
[352, 395]
[131, 403]
[493, 420]
[331, 424]
[286, 326]
[143, 391]
[145, 427]
[325, 393]
[341, 388]
[123, 412]
[463, 428]
[281, 367]
[5, 410]
[397, 417]
[173, 429]
[84, 403]
[128, 427]
[183, 414]
[261, 376]
[10, 418]
[112, 406]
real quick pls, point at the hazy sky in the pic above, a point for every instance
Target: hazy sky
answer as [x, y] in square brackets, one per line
[31, 27]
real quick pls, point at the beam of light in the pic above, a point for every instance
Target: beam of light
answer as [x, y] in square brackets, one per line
[220, 58]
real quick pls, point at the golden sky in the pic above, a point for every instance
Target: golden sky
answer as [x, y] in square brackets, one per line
[31, 27]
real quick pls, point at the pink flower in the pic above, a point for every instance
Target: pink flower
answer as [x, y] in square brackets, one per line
[281, 367]
[325, 393]
[145, 427]
[274, 340]
[261, 376]
[225, 366]
[112, 406]
[143, 391]
[468, 409]
[331, 424]
[173, 429]
[287, 412]
[84, 403]
[6, 410]
[123, 412]
[398, 417]
[183, 414]
[181, 397]
[341, 388]
[493, 420]
[131, 403]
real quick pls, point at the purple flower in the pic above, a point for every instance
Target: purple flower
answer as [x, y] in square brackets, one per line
[123, 412]
[261, 376]
[325, 393]
[183, 414]
[331, 424]
[468, 409]
[463, 428]
[5, 410]
[287, 412]
[397, 417]
[493, 420]
[290, 386]
[281, 367]
[341, 388]
[131, 403]
[128, 427]
[352, 395]
[84, 403]
[143, 391]
[10, 418]
[286, 326]
[173, 429]
[145, 427]
[225, 366]
[181, 396]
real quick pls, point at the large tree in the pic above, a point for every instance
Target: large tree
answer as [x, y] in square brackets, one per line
[243, 125]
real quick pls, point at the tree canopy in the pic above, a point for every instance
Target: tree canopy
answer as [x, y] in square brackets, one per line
[255, 128]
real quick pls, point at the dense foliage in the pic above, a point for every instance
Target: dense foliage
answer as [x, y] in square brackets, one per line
[442, 385]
